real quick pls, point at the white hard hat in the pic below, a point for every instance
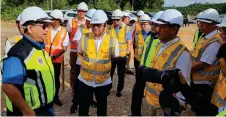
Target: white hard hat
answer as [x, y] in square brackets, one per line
[34, 14]
[156, 16]
[117, 14]
[223, 23]
[82, 6]
[209, 16]
[171, 16]
[144, 18]
[18, 18]
[89, 14]
[57, 14]
[199, 15]
[140, 12]
[99, 17]
[125, 14]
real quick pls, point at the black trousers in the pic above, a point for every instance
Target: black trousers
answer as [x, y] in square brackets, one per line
[121, 66]
[138, 91]
[86, 96]
[75, 88]
[57, 69]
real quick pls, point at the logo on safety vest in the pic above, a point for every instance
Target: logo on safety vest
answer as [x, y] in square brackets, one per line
[40, 61]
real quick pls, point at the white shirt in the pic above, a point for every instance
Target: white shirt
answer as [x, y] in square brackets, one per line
[54, 33]
[98, 43]
[209, 54]
[7, 47]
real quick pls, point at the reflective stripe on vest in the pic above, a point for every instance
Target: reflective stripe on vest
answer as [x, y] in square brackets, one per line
[149, 50]
[165, 60]
[196, 37]
[122, 38]
[96, 65]
[210, 73]
[219, 93]
[39, 85]
[72, 34]
[14, 39]
[55, 46]
[139, 43]
[222, 111]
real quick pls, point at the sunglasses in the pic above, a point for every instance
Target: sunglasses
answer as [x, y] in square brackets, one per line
[81, 11]
[115, 19]
[44, 25]
[97, 25]
[222, 29]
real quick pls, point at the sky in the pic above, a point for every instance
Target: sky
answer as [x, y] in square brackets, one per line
[188, 2]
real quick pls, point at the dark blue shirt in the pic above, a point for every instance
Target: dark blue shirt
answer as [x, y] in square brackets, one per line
[13, 70]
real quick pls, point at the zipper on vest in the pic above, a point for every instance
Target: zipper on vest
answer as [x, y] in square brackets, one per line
[50, 73]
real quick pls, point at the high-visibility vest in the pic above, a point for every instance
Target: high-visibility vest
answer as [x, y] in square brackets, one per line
[212, 72]
[137, 28]
[84, 30]
[14, 39]
[38, 89]
[198, 34]
[166, 59]
[96, 65]
[121, 36]
[219, 93]
[149, 50]
[55, 46]
[72, 34]
[139, 43]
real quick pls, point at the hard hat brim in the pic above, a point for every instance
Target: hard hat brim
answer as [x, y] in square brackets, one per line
[206, 21]
[88, 19]
[116, 17]
[157, 22]
[96, 22]
[144, 20]
[221, 25]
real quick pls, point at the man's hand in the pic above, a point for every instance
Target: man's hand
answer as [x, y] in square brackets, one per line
[181, 77]
[28, 112]
[53, 57]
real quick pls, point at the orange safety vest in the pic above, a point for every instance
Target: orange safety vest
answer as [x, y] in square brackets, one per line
[212, 72]
[55, 46]
[96, 65]
[219, 93]
[137, 29]
[166, 59]
[139, 43]
[121, 37]
[14, 39]
[72, 34]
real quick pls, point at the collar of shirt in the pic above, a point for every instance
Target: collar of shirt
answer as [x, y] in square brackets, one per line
[167, 44]
[80, 22]
[58, 29]
[211, 34]
[35, 43]
[120, 26]
[145, 32]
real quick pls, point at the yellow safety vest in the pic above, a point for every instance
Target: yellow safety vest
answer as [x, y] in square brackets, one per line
[14, 39]
[139, 43]
[39, 86]
[219, 93]
[166, 59]
[96, 65]
[121, 36]
[212, 72]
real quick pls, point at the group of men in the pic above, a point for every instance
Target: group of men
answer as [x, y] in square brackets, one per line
[96, 49]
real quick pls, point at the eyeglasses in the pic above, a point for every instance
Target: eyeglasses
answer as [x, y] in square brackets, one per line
[97, 25]
[116, 20]
[81, 11]
[222, 29]
[44, 26]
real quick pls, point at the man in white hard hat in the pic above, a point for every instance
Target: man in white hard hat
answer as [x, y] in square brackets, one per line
[148, 47]
[169, 54]
[136, 26]
[125, 18]
[95, 51]
[122, 33]
[28, 73]
[74, 28]
[11, 41]
[88, 29]
[205, 68]
[198, 34]
[56, 44]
